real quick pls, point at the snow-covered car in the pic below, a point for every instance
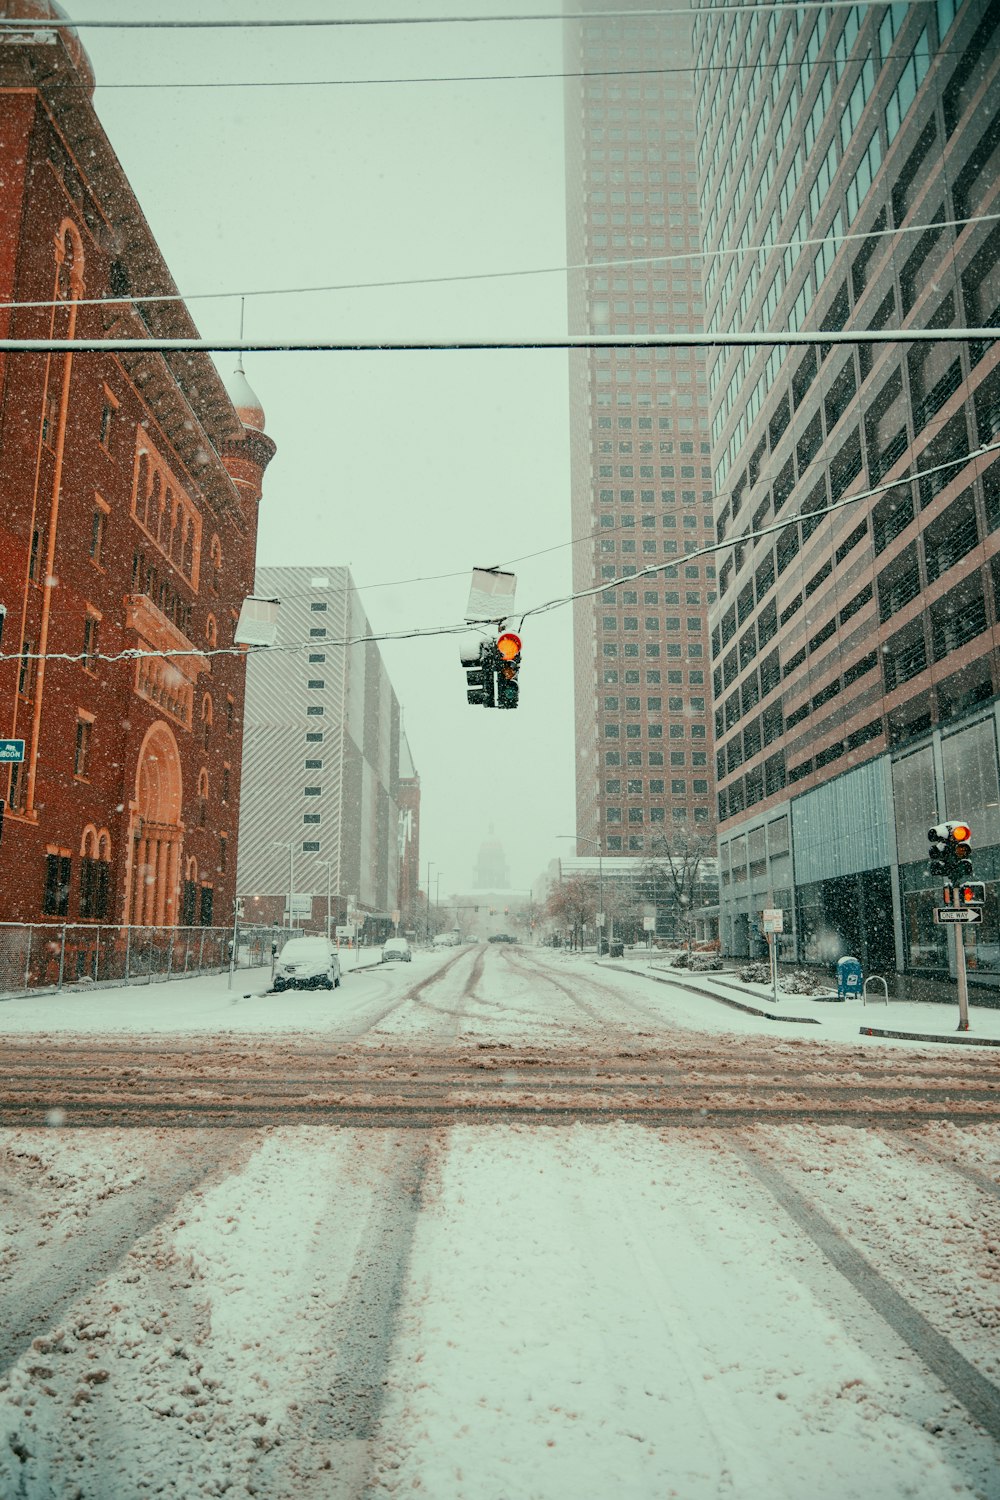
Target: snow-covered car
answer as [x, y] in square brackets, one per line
[396, 949]
[307, 963]
[501, 937]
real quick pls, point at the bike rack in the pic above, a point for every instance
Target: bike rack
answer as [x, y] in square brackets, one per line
[875, 979]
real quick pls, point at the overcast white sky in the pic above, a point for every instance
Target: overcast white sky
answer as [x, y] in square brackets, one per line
[399, 465]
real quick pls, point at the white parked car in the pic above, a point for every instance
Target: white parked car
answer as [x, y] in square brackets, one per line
[307, 963]
[396, 948]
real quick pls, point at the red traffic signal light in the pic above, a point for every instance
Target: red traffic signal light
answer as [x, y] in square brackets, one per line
[509, 645]
[508, 659]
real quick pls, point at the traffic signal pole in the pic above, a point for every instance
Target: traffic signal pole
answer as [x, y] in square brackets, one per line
[963, 982]
[949, 854]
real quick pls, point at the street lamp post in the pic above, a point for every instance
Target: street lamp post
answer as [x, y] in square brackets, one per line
[427, 923]
[583, 839]
[329, 866]
[280, 844]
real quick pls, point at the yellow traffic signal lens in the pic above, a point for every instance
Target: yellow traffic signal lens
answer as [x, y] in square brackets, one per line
[961, 833]
[509, 645]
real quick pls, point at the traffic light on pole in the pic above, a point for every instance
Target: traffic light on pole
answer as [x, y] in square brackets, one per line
[508, 664]
[949, 852]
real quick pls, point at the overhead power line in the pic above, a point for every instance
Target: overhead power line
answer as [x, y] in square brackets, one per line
[709, 550]
[753, 536]
[342, 22]
[492, 345]
[686, 70]
[665, 259]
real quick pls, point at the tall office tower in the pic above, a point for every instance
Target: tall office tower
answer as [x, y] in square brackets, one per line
[848, 162]
[640, 445]
[322, 758]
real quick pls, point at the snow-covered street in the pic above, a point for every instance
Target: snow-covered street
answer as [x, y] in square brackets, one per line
[501, 1310]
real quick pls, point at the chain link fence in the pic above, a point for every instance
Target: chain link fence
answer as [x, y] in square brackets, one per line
[49, 955]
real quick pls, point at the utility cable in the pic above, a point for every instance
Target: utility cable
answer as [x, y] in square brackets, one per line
[798, 517]
[272, 23]
[677, 257]
[332, 83]
[753, 536]
[542, 342]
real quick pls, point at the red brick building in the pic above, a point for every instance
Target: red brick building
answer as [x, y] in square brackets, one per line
[129, 487]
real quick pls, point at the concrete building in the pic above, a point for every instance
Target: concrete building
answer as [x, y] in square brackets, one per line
[322, 807]
[640, 440]
[849, 163]
[130, 485]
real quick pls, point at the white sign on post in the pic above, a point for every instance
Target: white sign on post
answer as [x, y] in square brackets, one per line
[649, 924]
[772, 920]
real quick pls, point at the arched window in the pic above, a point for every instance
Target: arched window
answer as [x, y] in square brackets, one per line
[69, 262]
[211, 631]
[202, 797]
[189, 894]
[206, 719]
[215, 555]
[95, 874]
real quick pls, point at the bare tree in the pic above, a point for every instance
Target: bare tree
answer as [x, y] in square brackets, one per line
[684, 854]
[573, 904]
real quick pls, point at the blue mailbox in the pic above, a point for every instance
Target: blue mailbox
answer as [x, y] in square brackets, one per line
[850, 979]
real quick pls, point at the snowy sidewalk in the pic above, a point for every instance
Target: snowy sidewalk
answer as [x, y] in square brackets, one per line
[840, 1020]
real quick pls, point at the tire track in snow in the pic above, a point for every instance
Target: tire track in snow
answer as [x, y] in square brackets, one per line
[979, 1396]
[333, 1434]
[57, 1274]
[978, 1176]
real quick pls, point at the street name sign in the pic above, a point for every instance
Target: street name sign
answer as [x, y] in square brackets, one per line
[11, 750]
[964, 914]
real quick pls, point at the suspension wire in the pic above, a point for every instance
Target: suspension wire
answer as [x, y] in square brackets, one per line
[709, 550]
[272, 23]
[734, 340]
[674, 258]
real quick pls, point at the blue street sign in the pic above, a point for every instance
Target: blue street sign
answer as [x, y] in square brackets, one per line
[11, 750]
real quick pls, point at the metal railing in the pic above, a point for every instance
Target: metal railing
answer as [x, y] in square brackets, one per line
[50, 955]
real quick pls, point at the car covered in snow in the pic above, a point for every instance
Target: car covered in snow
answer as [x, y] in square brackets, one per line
[307, 963]
[396, 949]
[501, 937]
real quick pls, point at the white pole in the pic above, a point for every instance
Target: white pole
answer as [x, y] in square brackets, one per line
[232, 951]
[963, 982]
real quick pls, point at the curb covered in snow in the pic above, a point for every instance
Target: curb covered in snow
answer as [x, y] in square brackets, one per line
[961, 1039]
[751, 1010]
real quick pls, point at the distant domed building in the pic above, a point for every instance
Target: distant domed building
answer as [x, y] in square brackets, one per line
[492, 873]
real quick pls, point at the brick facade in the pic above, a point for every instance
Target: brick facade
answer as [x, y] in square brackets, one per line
[128, 520]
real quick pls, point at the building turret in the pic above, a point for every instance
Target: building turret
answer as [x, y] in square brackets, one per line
[248, 456]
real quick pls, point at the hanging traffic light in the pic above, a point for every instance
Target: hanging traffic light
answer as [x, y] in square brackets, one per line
[949, 851]
[491, 669]
[477, 659]
[508, 664]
